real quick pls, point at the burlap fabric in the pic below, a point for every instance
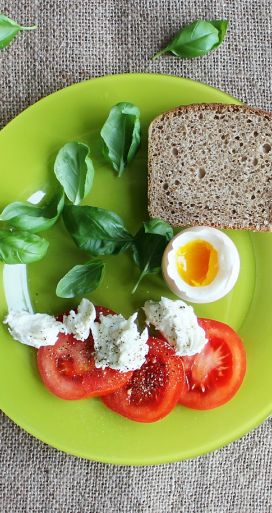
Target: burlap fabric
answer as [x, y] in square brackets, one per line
[78, 39]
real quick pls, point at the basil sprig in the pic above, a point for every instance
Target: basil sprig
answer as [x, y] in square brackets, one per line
[149, 245]
[96, 230]
[102, 232]
[33, 218]
[121, 135]
[9, 29]
[81, 279]
[196, 39]
[21, 247]
[74, 170]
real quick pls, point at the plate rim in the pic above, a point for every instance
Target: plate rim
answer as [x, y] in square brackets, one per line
[117, 76]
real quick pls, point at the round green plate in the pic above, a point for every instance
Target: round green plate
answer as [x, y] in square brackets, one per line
[86, 428]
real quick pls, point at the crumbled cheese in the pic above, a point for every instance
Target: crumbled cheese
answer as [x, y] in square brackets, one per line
[34, 329]
[79, 323]
[118, 344]
[178, 323]
[117, 341]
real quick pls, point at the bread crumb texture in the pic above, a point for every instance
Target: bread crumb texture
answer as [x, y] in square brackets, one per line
[211, 165]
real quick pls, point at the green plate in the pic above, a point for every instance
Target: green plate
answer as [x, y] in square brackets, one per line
[86, 428]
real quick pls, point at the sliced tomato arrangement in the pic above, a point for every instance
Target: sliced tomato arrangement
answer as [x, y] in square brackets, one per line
[68, 368]
[202, 381]
[154, 389]
[215, 374]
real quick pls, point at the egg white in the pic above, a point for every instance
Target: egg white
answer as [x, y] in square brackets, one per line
[228, 265]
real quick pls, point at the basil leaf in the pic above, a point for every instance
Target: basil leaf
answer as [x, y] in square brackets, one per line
[222, 27]
[21, 247]
[9, 29]
[196, 39]
[159, 227]
[74, 170]
[81, 279]
[121, 134]
[33, 218]
[99, 231]
[149, 245]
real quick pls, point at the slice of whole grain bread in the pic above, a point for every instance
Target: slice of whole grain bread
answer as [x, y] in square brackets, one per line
[211, 164]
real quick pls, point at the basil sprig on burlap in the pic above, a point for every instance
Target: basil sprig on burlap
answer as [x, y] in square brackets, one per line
[21, 247]
[9, 30]
[121, 135]
[81, 279]
[34, 218]
[196, 39]
[149, 245]
[74, 170]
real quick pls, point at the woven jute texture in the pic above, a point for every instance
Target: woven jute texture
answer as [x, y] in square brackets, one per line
[78, 39]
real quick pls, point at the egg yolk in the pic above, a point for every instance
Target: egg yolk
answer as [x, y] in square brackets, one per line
[197, 263]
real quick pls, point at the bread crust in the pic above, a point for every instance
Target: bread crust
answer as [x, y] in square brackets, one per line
[212, 106]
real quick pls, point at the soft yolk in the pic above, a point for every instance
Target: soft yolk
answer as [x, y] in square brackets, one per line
[197, 263]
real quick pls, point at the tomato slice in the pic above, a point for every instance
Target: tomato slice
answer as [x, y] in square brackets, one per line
[154, 389]
[215, 374]
[68, 368]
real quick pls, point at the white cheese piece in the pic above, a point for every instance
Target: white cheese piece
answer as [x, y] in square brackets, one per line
[79, 323]
[34, 329]
[118, 344]
[178, 323]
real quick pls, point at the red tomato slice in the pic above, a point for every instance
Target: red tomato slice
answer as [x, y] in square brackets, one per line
[154, 389]
[214, 375]
[68, 368]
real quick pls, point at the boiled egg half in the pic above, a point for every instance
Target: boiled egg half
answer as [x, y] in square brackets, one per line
[201, 264]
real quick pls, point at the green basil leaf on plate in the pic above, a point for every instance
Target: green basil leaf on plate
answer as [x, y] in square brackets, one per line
[20, 247]
[9, 29]
[33, 218]
[159, 227]
[81, 279]
[196, 39]
[149, 245]
[121, 135]
[74, 170]
[99, 231]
